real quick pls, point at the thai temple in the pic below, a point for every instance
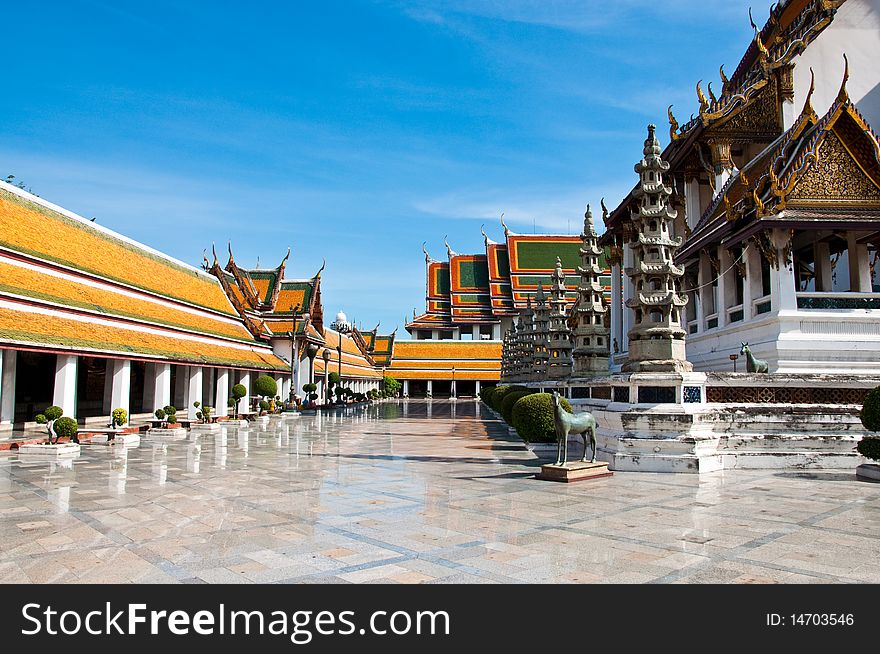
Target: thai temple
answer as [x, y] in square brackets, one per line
[728, 315]
[93, 321]
[743, 323]
[472, 302]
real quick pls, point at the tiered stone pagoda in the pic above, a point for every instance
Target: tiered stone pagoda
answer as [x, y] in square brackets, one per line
[590, 334]
[527, 339]
[559, 346]
[541, 336]
[656, 340]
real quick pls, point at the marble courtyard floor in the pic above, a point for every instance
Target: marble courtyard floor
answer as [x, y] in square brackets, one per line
[385, 494]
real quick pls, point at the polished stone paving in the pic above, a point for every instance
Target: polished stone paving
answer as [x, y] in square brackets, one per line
[384, 494]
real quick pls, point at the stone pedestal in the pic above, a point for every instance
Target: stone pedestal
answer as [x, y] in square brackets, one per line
[868, 471]
[574, 471]
[50, 452]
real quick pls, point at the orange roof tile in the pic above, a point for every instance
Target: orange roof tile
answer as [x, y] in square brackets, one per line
[31, 228]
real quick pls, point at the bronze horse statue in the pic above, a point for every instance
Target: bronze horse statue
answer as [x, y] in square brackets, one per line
[572, 423]
[753, 364]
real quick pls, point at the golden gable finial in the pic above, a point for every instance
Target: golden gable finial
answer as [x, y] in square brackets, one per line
[759, 206]
[504, 225]
[724, 79]
[704, 103]
[673, 125]
[712, 94]
[843, 94]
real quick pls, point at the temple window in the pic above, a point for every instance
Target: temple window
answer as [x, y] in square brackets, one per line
[656, 316]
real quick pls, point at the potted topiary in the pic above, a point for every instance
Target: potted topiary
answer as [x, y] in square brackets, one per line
[206, 422]
[57, 427]
[168, 428]
[116, 434]
[869, 446]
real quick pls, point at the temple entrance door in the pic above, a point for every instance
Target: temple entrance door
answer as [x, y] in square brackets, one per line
[465, 388]
[418, 388]
[91, 385]
[34, 384]
[442, 389]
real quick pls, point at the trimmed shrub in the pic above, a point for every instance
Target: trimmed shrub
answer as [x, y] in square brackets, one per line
[120, 417]
[532, 417]
[310, 388]
[870, 413]
[239, 391]
[160, 414]
[510, 399]
[500, 392]
[264, 405]
[169, 410]
[66, 427]
[391, 385]
[41, 419]
[53, 412]
[333, 378]
[486, 394]
[869, 448]
[265, 386]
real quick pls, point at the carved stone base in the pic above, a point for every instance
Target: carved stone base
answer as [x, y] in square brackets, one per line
[574, 471]
[868, 471]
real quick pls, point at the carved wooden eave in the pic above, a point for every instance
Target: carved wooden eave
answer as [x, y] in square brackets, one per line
[765, 66]
[822, 173]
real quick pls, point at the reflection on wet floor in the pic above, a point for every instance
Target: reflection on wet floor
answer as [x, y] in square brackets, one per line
[414, 491]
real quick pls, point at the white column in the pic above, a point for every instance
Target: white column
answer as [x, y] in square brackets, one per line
[406, 387]
[724, 275]
[121, 392]
[221, 393]
[161, 385]
[64, 394]
[297, 374]
[8, 360]
[195, 390]
[496, 332]
[782, 284]
[628, 292]
[477, 387]
[430, 387]
[822, 253]
[859, 268]
[692, 202]
[244, 404]
[616, 304]
[747, 284]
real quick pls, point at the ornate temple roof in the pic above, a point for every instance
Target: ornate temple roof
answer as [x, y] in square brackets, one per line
[747, 108]
[823, 171]
[469, 288]
[500, 292]
[69, 285]
[354, 362]
[436, 360]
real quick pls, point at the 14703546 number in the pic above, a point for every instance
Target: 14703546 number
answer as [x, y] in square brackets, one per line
[821, 619]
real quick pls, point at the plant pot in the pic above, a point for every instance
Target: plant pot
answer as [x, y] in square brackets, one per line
[868, 471]
[169, 434]
[206, 428]
[50, 451]
[118, 439]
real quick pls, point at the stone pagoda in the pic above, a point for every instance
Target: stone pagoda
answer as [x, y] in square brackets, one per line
[559, 346]
[656, 340]
[505, 355]
[527, 341]
[590, 336]
[541, 336]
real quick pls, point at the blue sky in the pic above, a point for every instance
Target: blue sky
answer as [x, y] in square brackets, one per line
[347, 129]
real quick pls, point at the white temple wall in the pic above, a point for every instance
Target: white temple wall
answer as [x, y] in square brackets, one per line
[855, 31]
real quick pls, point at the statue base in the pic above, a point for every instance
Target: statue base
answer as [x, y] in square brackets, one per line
[574, 471]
